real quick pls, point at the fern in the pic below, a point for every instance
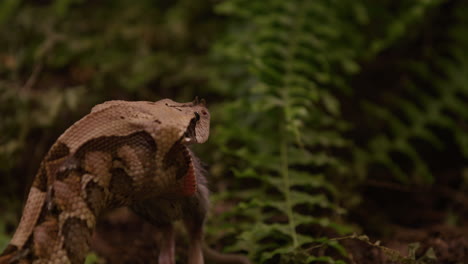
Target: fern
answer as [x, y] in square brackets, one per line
[285, 126]
[285, 70]
[435, 99]
[286, 130]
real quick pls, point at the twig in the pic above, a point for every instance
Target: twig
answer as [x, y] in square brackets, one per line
[51, 39]
[391, 253]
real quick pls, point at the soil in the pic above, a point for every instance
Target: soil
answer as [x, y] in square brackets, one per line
[434, 217]
[416, 225]
[449, 245]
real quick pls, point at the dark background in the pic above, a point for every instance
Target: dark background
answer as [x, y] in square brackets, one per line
[328, 117]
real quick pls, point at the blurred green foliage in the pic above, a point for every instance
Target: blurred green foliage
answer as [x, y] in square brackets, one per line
[308, 98]
[59, 58]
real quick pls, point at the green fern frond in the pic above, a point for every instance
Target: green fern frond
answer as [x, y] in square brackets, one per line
[285, 123]
[438, 92]
[285, 51]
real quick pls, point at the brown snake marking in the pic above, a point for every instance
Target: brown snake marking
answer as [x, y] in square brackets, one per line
[131, 154]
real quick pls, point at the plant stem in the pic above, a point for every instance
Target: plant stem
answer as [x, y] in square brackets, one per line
[285, 174]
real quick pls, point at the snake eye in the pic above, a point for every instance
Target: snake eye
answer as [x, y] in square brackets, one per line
[197, 116]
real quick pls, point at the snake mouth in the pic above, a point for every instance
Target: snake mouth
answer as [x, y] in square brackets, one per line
[190, 134]
[180, 158]
[189, 181]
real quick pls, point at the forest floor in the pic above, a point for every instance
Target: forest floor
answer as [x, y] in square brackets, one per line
[428, 224]
[431, 245]
[425, 226]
